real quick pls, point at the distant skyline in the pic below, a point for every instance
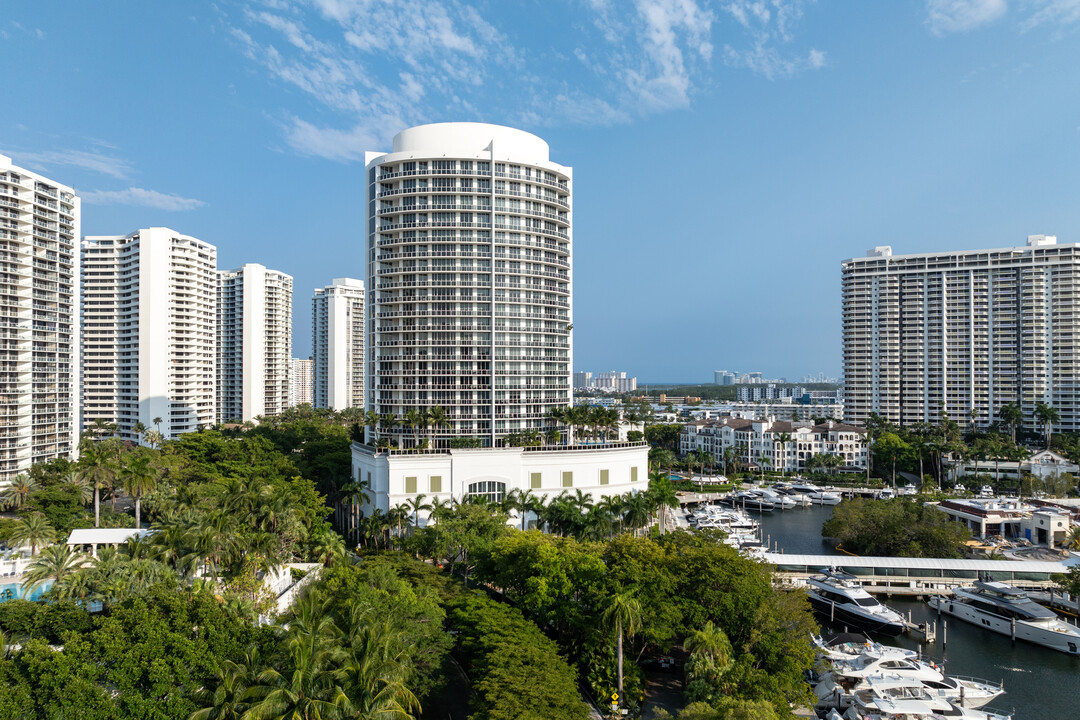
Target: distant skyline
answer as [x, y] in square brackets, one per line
[727, 155]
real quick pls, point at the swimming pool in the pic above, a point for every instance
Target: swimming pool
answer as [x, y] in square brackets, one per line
[14, 591]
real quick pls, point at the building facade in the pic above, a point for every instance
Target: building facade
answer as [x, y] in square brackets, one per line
[776, 444]
[469, 230]
[469, 250]
[254, 342]
[338, 345]
[39, 333]
[149, 327]
[963, 333]
[300, 382]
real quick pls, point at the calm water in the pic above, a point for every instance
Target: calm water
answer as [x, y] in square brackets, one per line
[1041, 684]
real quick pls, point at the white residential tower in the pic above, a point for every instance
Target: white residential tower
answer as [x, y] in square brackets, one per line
[337, 359]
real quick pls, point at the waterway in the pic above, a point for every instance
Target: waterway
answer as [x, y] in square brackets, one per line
[1040, 684]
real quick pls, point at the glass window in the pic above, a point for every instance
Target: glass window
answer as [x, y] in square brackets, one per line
[410, 485]
[534, 481]
[436, 484]
[568, 479]
[603, 477]
[489, 489]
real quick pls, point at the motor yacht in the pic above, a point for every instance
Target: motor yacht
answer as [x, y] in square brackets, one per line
[747, 500]
[909, 489]
[886, 494]
[817, 495]
[1009, 611]
[783, 502]
[865, 692]
[986, 491]
[841, 598]
[870, 705]
[849, 646]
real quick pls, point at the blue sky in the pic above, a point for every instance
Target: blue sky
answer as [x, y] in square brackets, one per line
[727, 155]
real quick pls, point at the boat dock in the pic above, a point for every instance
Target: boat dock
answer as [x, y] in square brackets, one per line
[916, 576]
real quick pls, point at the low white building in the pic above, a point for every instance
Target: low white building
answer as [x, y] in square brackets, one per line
[1041, 464]
[90, 539]
[777, 444]
[397, 476]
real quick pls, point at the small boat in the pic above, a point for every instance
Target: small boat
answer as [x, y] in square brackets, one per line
[840, 597]
[886, 494]
[1009, 611]
[909, 489]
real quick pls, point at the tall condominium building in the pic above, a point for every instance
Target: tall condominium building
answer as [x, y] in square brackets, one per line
[337, 359]
[254, 342]
[963, 333]
[39, 229]
[469, 246]
[300, 374]
[149, 330]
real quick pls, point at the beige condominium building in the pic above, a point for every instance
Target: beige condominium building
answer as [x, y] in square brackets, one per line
[962, 333]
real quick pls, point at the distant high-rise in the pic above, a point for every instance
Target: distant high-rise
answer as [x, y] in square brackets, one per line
[254, 342]
[963, 333]
[149, 329]
[300, 375]
[39, 229]
[338, 345]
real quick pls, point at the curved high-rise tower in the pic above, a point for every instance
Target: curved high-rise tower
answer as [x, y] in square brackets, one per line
[469, 237]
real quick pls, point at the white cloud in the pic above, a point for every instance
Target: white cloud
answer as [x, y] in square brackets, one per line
[956, 16]
[770, 24]
[1052, 12]
[93, 161]
[142, 198]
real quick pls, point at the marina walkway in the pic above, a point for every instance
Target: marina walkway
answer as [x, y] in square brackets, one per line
[917, 576]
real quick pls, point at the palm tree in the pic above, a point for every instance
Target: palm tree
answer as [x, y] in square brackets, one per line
[662, 495]
[100, 468]
[231, 697]
[139, 429]
[417, 504]
[623, 615]
[56, 563]
[139, 477]
[372, 420]
[389, 422]
[17, 494]
[1012, 416]
[437, 419]
[710, 657]
[75, 481]
[1047, 417]
[782, 439]
[33, 530]
[559, 414]
[637, 511]
[413, 420]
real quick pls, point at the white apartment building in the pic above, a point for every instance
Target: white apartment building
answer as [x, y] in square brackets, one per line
[338, 345]
[149, 329]
[254, 342]
[39, 333]
[469, 266]
[757, 393]
[300, 374]
[469, 251]
[783, 409]
[779, 445]
[963, 333]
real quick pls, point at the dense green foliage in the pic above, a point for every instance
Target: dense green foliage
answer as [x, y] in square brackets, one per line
[901, 527]
[680, 582]
[516, 672]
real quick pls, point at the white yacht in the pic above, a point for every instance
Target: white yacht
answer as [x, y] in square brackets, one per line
[864, 693]
[1009, 611]
[841, 598]
[886, 493]
[782, 502]
[986, 491]
[817, 495]
[849, 646]
[959, 487]
[909, 489]
[898, 705]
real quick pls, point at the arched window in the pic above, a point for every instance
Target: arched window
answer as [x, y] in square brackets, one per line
[489, 489]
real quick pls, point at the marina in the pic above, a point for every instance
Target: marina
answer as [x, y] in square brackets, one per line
[1039, 683]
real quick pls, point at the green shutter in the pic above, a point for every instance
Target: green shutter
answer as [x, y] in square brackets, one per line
[410, 485]
[534, 481]
[633, 474]
[568, 478]
[436, 483]
[603, 477]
